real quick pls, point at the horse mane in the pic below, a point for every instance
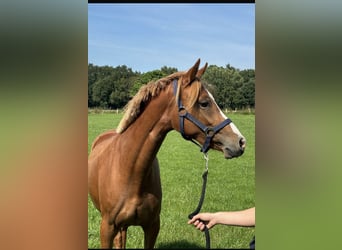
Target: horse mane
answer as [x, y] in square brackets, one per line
[136, 105]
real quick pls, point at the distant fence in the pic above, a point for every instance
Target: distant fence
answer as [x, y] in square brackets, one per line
[119, 111]
[241, 111]
[102, 111]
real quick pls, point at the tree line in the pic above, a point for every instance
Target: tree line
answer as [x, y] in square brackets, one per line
[112, 87]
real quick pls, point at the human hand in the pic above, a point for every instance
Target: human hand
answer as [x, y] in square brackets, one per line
[202, 220]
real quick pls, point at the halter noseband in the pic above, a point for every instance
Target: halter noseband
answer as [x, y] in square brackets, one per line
[209, 131]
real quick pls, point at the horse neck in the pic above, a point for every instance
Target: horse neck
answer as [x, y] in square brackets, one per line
[149, 130]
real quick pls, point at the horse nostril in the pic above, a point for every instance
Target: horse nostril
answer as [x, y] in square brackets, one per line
[242, 143]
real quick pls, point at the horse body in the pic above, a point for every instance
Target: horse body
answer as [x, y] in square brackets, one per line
[127, 187]
[124, 195]
[123, 175]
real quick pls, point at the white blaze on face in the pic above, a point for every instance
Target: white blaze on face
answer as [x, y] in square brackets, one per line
[232, 125]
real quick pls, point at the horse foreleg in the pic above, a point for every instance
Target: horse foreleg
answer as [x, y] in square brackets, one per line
[120, 238]
[107, 232]
[151, 232]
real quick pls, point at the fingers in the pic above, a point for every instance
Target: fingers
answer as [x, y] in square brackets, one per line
[200, 216]
[199, 224]
[193, 219]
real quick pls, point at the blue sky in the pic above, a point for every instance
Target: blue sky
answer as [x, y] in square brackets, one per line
[146, 37]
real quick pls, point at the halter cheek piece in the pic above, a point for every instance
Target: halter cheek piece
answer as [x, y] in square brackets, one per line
[209, 131]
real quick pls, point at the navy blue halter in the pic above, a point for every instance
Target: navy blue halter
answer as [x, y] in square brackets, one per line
[209, 131]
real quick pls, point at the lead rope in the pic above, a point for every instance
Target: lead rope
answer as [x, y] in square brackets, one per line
[197, 210]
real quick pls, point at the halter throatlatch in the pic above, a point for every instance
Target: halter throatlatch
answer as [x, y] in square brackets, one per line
[209, 131]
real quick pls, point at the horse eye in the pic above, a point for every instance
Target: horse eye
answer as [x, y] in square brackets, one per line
[204, 104]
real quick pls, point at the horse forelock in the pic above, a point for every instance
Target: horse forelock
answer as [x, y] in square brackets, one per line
[191, 99]
[136, 105]
[194, 93]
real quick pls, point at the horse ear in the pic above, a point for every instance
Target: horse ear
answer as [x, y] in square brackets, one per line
[190, 75]
[201, 71]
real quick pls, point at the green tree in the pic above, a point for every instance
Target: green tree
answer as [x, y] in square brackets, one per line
[221, 78]
[168, 70]
[110, 87]
[248, 88]
[146, 78]
[100, 92]
[234, 89]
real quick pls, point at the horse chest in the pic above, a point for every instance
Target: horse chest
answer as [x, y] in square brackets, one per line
[139, 211]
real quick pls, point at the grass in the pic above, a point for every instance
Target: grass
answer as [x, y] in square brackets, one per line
[230, 186]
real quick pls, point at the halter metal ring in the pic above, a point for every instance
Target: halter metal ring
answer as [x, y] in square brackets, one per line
[210, 132]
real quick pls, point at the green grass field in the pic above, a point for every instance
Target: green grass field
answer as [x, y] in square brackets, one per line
[230, 186]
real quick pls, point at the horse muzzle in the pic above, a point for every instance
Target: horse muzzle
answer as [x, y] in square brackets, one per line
[234, 150]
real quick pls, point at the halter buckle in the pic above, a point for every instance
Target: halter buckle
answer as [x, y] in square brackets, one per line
[182, 111]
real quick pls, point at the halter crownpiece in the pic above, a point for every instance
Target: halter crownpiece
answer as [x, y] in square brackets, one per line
[209, 131]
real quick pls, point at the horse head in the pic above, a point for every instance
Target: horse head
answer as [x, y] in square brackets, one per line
[200, 119]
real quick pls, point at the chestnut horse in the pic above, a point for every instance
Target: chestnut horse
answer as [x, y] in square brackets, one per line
[123, 171]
